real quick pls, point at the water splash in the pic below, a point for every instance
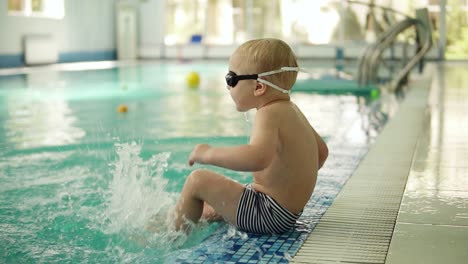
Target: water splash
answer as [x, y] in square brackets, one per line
[138, 189]
[232, 232]
[138, 209]
[246, 117]
[248, 123]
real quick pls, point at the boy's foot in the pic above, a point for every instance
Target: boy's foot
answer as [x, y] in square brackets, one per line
[157, 223]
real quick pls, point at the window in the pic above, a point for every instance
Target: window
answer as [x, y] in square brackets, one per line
[457, 29]
[37, 8]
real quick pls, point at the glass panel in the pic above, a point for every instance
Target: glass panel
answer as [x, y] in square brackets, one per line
[256, 19]
[37, 8]
[15, 5]
[52, 8]
[185, 19]
[296, 21]
[36, 5]
[315, 22]
[457, 29]
[434, 15]
[219, 22]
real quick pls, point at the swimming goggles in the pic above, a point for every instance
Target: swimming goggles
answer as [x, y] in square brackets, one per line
[232, 78]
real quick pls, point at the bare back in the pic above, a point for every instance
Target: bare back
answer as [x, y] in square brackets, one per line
[291, 176]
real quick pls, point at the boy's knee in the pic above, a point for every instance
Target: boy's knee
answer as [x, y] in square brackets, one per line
[197, 177]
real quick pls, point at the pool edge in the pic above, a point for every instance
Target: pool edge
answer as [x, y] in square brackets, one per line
[358, 226]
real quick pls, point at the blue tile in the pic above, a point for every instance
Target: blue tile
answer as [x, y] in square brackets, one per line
[8, 61]
[88, 56]
[236, 257]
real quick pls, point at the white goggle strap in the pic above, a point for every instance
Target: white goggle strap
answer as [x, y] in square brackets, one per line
[283, 69]
[274, 86]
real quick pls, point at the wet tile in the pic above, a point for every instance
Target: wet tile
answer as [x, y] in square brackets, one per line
[432, 176]
[414, 244]
[449, 155]
[434, 207]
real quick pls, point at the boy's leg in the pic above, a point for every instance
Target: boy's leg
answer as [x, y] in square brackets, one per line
[209, 214]
[220, 192]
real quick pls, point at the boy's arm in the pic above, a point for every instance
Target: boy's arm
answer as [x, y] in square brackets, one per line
[255, 156]
[322, 150]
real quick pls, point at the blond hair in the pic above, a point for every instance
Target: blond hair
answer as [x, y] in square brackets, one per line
[270, 54]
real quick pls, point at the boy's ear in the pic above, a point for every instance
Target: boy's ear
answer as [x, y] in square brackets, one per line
[260, 89]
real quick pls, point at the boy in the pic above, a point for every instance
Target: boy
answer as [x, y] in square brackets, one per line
[284, 152]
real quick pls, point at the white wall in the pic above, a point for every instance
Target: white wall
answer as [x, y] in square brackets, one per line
[152, 28]
[13, 28]
[88, 26]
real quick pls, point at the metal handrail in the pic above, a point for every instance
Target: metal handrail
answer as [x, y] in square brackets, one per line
[380, 47]
[377, 48]
[385, 8]
[368, 65]
[419, 56]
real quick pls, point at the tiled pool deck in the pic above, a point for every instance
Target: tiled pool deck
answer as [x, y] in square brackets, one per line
[407, 202]
[432, 224]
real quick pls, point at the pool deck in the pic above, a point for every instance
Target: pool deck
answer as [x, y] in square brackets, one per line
[407, 201]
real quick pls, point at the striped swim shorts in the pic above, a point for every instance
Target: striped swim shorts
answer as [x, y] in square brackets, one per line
[259, 213]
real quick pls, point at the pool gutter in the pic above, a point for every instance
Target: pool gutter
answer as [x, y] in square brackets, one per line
[358, 226]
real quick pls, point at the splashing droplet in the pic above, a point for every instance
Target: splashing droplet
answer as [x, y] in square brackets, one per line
[135, 186]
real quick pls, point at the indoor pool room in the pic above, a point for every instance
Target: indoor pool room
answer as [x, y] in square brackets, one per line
[120, 119]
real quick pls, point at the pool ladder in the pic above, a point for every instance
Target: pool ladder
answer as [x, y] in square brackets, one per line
[372, 57]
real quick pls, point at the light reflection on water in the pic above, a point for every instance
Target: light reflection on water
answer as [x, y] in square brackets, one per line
[74, 188]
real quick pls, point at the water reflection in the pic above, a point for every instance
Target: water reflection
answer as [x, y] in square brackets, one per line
[440, 160]
[442, 207]
[32, 121]
[161, 106]
[347, 118]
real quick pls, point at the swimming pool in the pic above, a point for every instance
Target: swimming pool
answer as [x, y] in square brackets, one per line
[79, 180]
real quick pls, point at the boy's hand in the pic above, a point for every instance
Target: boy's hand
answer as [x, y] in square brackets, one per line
[199, 154]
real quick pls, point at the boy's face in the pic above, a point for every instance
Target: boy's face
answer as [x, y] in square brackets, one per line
[243, 92]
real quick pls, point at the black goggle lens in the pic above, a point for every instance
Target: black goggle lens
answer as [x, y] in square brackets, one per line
[232, 78]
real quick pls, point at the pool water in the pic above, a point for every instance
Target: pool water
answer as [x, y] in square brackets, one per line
[80, 180]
